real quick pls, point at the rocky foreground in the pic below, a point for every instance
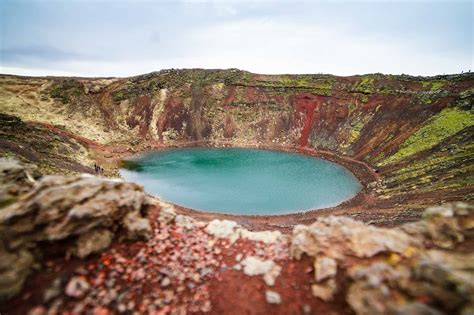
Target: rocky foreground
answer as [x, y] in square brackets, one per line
[89, 245]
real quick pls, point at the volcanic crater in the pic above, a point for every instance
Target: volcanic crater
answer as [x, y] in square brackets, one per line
[407, 139]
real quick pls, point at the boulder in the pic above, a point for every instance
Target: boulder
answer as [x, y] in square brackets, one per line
[60, 207]
[85, 210]
[15, 179]
[337, 237]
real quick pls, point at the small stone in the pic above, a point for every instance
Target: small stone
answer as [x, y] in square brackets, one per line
[122, 308]
[324, 291]
[136, 225]
[205, 271]
[267, 237]
[53, 291]
[37, 310]
[169, 296]
[77, 287]
[185, 222]
[167, 213]
[165, 282]
[223, 229]
[272, 297]
[255, 266]
[324, 268]
[139, 274]
[306, 309]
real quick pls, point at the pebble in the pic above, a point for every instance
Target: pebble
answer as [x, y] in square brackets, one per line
[272, 297]
[165, 282]
[37, 310]
[306, 309]
[77, 287]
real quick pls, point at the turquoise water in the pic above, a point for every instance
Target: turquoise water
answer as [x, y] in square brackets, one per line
[242, 181]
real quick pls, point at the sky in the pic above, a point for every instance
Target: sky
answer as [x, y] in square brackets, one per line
[125, 37]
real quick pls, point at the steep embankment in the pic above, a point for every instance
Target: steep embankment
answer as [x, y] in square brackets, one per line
[417, 131]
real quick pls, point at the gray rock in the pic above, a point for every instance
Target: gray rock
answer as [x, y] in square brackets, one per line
[324, 267]
[93, 242]
[15, 179]
[136, 225]
[272, 297]
[84, 208]
[165, 282]
[14, 268]
[60, 207]
[325, 291]
[255, 266]
[337, 237]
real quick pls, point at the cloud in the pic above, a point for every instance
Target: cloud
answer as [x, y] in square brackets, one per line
[272, 46]
[39, 52]
[255, 36]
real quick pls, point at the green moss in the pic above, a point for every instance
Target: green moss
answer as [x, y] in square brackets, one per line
[379, 157]
[467, 93]
[434, 85]
[466, 99]
[366, 85]
[118, 96]
[363, 98]
[8, 201]
[447, 123]
[66, 90]
[351, 107]
[354, 134]
[303, 83]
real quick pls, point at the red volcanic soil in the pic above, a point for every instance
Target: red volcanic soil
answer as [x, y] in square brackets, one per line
[130, 276]
[305, 106]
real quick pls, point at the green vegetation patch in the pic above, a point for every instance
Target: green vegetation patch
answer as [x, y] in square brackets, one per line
[354, 133]
[317, 84]
[466, 99]
[447, 123]
[434, 85]
[67, 90]
[366, 85]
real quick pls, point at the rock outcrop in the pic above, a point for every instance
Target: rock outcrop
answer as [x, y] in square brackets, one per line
[15, 180]
[85, 210]
[415, 269]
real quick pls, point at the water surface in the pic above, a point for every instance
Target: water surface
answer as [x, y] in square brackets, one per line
[242, 181]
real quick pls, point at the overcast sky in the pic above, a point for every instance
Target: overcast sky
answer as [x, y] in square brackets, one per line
[122, 38]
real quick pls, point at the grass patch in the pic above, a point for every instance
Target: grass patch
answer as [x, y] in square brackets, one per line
[447, 123]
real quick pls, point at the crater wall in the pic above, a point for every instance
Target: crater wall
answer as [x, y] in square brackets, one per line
[415, 132]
